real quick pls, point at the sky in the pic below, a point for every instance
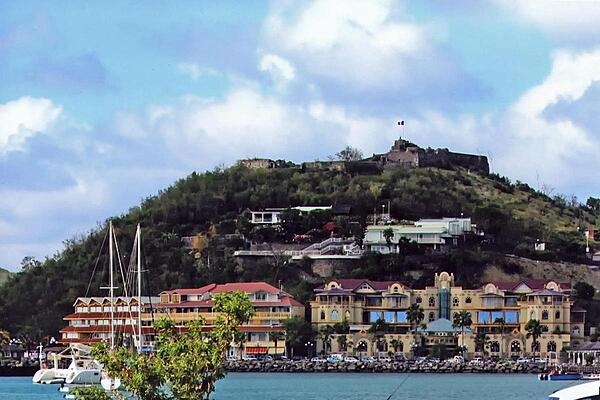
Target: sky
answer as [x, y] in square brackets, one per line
[103, 104]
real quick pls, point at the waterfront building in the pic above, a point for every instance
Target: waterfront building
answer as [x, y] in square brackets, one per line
[271, 305]
[359, 303]
[271, 216]
[91, 321]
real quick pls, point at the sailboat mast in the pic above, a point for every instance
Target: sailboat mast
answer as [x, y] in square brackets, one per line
[112, 286]
[139, 285]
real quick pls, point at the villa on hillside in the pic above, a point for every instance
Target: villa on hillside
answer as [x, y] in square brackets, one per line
[271, 306]
[361, 302]
[433, 233]
[270, 216]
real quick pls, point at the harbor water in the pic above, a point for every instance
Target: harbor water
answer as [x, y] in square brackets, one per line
[312, 386]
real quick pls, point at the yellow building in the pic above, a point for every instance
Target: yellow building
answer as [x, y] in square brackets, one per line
[271, 306]
[362, 302]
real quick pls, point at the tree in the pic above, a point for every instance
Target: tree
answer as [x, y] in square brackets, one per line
[275, 337]
[349, 154]
[462, 320]
[415, 315]
[395, 343]
[325, 336]
[500, 321]
[240, 339]
[342, 342]
[534, 330]
[186, 363]
[584, 290]
[297, 331]
[481, 340]
[388, 234]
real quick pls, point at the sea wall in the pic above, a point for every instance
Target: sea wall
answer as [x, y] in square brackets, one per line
[376, 366]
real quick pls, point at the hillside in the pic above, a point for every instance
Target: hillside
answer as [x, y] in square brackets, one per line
[512, 215]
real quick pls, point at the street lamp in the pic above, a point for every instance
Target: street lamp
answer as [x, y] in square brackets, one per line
[413, 349]
[308, 346]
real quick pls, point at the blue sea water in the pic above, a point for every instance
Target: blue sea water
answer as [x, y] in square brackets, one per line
[296, 386]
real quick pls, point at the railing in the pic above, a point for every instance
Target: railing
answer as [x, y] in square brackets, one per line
[272, 315]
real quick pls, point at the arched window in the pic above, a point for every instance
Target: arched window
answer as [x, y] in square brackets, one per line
[322, 314]
[418, 300]
[575, 331]
[347, 314]
[551, 346]
[468, 300]
[335, 315]
[396, 289]
[532, 315]
[557, 315]
[495, 347]
[535, 346]
[432, 301]
[515, 347]
[431, 316]
[455, 302]
[545, 315]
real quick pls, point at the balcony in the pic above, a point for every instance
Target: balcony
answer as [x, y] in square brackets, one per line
[272, 315]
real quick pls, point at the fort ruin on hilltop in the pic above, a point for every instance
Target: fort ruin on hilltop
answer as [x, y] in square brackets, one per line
[402, 154]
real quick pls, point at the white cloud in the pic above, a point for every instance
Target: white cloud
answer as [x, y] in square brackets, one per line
[568, 19]
[194, 71]
[356, 42]
[23, 118]
[281, 70]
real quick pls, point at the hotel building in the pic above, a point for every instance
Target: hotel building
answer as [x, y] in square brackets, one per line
[91, 321]
[361, 302]
[271, 306]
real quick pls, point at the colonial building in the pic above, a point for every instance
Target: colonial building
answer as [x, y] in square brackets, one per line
[271, 306]
[93, 317]
[361, 302]
[433, 233]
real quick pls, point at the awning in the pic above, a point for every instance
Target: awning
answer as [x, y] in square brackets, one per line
[257, 350]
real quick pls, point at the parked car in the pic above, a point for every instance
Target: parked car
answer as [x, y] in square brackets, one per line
[265, 358]
[523, 360]
[232, 358]
[350, 359]
[333, 358]
[249, 358]
[385, 359]
[318, 359]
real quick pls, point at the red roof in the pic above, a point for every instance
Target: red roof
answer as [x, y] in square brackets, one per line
[533, 284]
[353, 284]
[247, 287]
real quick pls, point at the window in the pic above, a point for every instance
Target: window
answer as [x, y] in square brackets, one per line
[551, 346]
[396, 289]
[557, 315]
[432, 301]
[322, 315]
[532, 315]
[545, 315]
[495, 347]
[418, 300]
[260, 296]
[431, 316]
[335, 315]
[468, 300]
[576, 331]
[365, 286]
[347, 314]
[455, 302]
[535, 346]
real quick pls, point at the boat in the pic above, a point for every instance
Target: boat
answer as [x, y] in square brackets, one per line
[564, 376]
[82, 368]
[583, 391]
[590, 377]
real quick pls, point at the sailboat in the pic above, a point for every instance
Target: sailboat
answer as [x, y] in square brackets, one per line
[83, 369]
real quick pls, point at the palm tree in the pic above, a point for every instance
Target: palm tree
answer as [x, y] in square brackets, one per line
[395, 343]
[276, 336]
[415, 315]
[481, 339]
[388, 234]
[4, 337]
[325, 336]
[342, 341]
[462, 319]
[534, 330]
[502, 323]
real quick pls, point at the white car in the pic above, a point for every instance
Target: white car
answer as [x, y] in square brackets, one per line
[351, 359]
[249, 358]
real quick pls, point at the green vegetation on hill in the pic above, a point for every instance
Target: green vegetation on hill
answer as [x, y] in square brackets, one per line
[513, 215]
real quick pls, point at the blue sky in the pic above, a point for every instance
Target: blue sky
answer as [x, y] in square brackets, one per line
[105, 103]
